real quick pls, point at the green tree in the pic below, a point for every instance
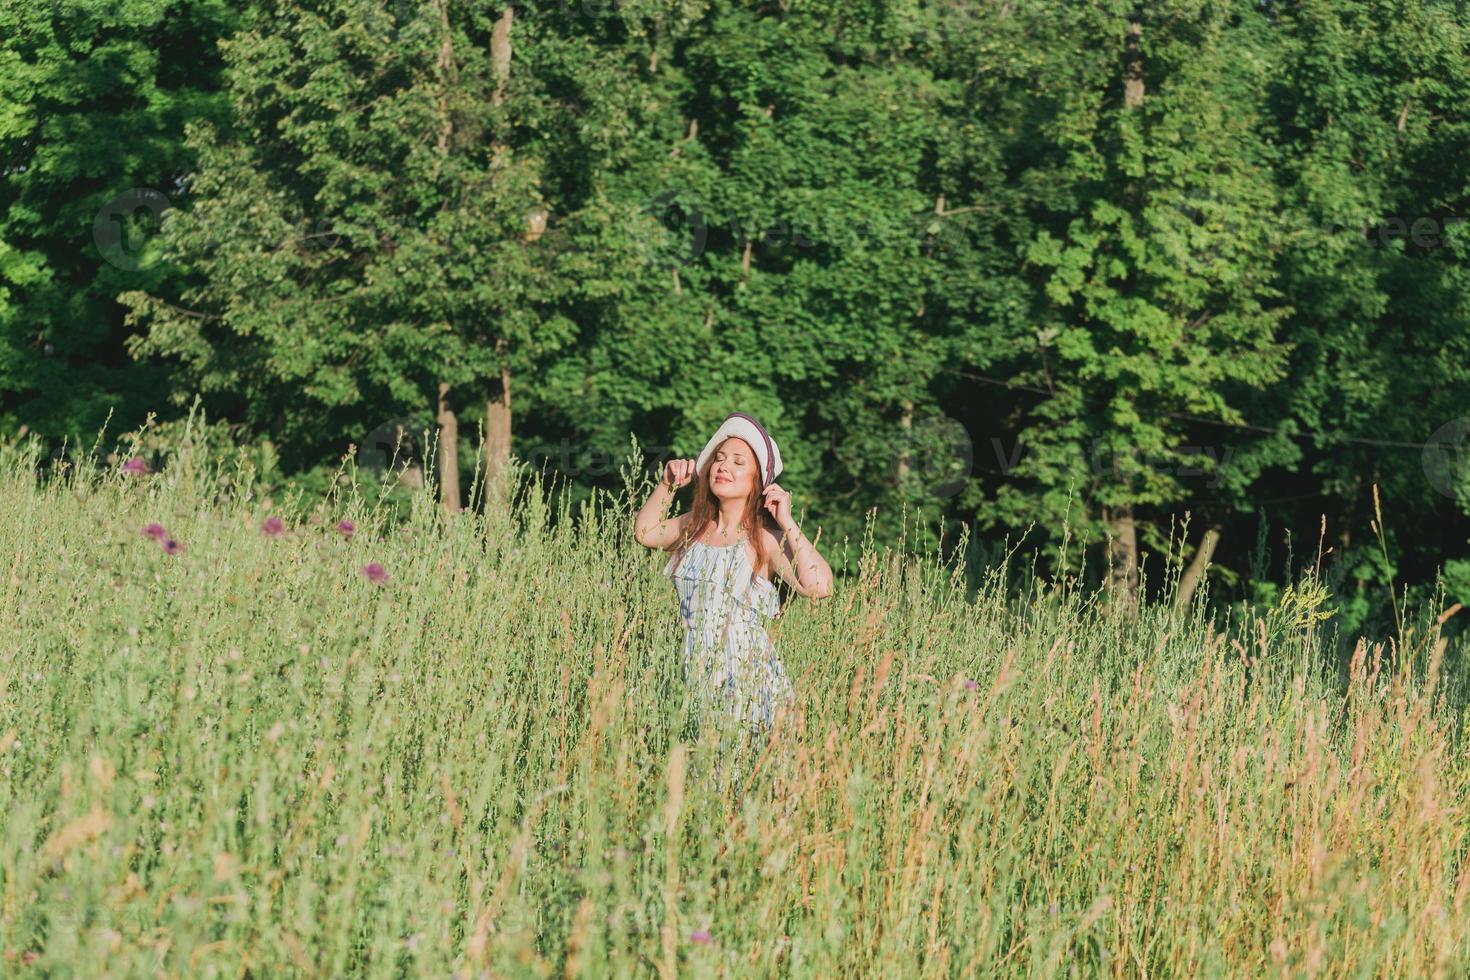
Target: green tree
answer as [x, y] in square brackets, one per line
[1154, 308]
[368, 231]
[1367, 108]
[794, 265]
[93, 98]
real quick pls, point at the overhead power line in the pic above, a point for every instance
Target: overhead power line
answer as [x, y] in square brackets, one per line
[1361, 440]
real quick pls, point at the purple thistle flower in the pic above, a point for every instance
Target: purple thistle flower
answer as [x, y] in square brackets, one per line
[375, 573]
[272, 527]
[172, 547]
[136, 466]
[971, 684]
[699, 936]
[155, 531]
[346, 528]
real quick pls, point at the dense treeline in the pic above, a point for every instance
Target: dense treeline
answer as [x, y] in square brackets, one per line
[1073, 269]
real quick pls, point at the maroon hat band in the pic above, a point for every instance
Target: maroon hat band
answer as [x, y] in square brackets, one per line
[770, 451]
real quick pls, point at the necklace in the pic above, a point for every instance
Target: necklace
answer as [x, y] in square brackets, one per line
[729, 545]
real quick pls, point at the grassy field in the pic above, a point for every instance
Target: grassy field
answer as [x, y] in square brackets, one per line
[246, 755]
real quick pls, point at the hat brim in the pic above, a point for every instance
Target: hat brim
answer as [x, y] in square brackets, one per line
[740, 426]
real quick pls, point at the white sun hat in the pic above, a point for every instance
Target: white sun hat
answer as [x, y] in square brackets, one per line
[742, 426]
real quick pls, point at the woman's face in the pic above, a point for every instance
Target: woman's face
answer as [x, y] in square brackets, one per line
[733, 472]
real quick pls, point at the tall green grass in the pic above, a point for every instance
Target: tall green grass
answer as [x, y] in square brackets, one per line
[247, 758]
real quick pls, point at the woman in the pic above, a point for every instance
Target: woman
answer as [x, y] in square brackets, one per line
[723, 551]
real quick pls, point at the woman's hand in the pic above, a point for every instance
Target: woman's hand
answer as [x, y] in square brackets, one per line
[778, 502]
[650, 528]
[678, 473]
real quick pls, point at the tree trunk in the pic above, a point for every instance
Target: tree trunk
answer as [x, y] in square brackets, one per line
[1122, 530]
[906, 425]
[1133, 84]
[500, 53]
[497, 427]
[497, 407]
[448, 453]
[1195, 573]
[449, 79]
[1122, 557]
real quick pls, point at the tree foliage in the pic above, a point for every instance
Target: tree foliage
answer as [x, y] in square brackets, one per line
[1087, 269]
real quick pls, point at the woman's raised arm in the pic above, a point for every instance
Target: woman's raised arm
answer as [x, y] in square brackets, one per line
[799, 563]
[651, 528]
[796, 559]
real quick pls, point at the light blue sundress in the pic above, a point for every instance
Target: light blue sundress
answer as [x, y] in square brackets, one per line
[729, 661]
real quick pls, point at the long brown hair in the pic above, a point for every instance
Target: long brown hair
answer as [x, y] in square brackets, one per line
[706, 508]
